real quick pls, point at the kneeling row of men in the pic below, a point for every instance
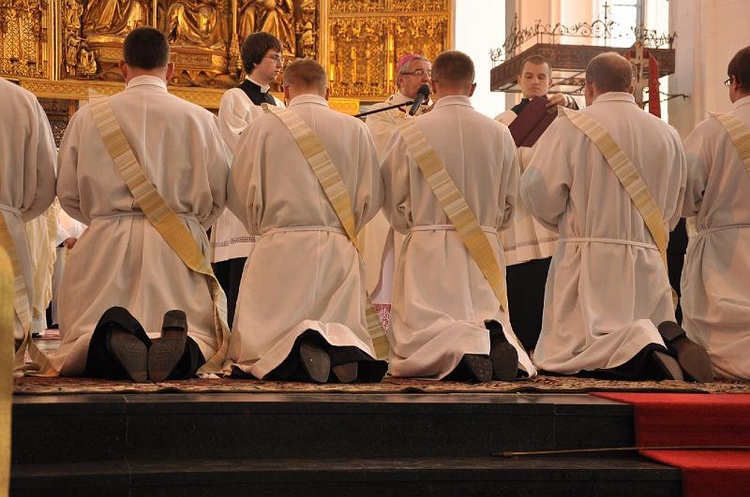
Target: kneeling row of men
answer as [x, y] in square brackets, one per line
[306, 180]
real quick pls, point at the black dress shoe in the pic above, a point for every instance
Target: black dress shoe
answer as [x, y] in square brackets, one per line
[346, 372]
[130, 352]
[503, 355]
[693, 358]
[315, 361]
[478, 366]
[166, 352]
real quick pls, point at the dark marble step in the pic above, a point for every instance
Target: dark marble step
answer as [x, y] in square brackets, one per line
[93, 428]
[578, 476]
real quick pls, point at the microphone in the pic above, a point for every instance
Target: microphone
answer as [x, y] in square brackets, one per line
[422, 94]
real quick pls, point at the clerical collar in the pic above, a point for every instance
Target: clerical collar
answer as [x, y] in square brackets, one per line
[262, 88]
[146, 79]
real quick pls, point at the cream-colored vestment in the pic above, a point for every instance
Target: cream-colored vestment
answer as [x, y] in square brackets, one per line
[27, 169]
[607, 288]
[121, 259]
[715, 285]
[441, 300]
[305, 273]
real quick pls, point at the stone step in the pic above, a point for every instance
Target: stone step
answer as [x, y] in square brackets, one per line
[603, 475]
[267, 427]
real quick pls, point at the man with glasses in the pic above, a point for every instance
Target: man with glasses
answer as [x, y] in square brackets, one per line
[262, 62]
[715, 291]
[527, 245]
[380, 242]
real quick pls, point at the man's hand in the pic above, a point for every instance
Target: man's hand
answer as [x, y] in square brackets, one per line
[558, 99]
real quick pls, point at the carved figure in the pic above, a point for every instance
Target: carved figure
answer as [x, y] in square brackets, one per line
[114, 17]
[271, 16]
[73, 13]
[191, 22]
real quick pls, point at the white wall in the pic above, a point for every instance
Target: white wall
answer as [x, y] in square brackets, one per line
[480, 26]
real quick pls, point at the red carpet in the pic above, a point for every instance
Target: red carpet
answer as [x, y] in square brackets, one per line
[690, 420]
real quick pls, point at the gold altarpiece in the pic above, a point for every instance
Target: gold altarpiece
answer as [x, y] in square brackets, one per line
[58, 49]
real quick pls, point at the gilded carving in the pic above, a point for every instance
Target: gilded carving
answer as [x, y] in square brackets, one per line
[357, 6]
[363, 50]
[358, 41]
[421, 5]
[195, 23]
[23, 38]
[358, 57]
[272, 16]
[110, 20]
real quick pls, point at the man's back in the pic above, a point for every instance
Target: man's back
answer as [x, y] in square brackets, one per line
[585, 197]
[176, 142]
[179, 147]
[290, 193]
[478, 154]
[27, 153]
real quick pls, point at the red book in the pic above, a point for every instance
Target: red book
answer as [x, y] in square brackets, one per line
[533, 120]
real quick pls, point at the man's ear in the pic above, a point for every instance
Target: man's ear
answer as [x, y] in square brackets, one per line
[123, 69]
[472, 89]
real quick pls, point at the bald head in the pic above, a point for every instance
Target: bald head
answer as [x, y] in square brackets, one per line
[610, 71]
[305, 76]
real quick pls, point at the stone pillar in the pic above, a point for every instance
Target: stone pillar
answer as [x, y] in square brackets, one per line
[709, 33]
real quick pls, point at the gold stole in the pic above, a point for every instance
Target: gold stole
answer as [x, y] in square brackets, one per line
[628, 176]
[6, 364]
[739, 134]
[40, 365]
[163, 218]
[330, 179]
[456, 208]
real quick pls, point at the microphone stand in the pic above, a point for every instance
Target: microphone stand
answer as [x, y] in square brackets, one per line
[363, 114]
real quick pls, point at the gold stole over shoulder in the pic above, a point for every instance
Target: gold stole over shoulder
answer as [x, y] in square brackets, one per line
[163, 218]
[628, 176]
[335, 190]
[739, 134]
[6, 366]
[39, 365]
[456, 208]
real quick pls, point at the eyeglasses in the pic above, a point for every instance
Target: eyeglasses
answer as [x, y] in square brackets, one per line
[419, 72]
[728, 81]
[278, 58]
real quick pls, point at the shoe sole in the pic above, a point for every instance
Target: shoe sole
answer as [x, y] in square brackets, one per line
[479, 366]
[504, 358]
[346, 372]
[693, 359]
[131, 353]
[668, 365]
[163, 356]
[315, 361]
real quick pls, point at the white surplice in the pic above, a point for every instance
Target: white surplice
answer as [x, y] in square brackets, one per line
[526, 239]
[306, 273]
[121, 259]
[41, 233]
[441, 300]
[607, 288]
[380, 245]
[715, 286]
[27, 169]
[229, 238]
